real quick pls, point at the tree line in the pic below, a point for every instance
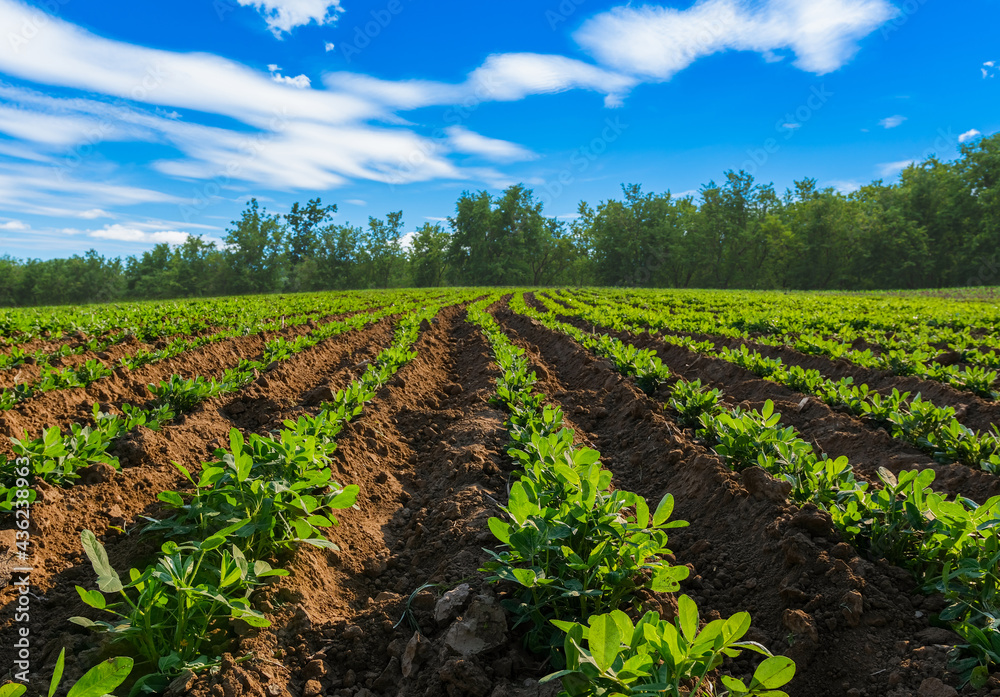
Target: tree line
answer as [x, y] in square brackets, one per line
[938, 226]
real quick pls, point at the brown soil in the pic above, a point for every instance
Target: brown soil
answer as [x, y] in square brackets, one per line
[59, 407]
[429, 455]
[834, 432]
[106, 499]
[749, 549]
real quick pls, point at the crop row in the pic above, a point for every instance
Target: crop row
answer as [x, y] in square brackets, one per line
[93, 370]
[951, 547]
[576, 550]
[58, 457]
[253, 504]
[144, 319]
[905, 353]
[916, 421]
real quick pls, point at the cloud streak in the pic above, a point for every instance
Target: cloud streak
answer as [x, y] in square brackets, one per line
[658, 42]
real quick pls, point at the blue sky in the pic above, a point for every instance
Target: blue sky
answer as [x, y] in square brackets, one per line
[124, 124]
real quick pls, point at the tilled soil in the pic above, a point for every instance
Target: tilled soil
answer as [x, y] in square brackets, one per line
[837, 433]
[60, 407]
[108, 502]
[401, 609]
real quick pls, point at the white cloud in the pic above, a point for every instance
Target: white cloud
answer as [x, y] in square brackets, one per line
[465, 141]
[406, 241]
[356, 202]
[122, 233]
[989, 69]
[329, 46]
[969, 135]
[14, 225]
[848, 186]
[299, 81]
[657, 42]
[892, 121]
[791, 126]
[94, 214]
[891, 169]
[284, 15]
[503, 77]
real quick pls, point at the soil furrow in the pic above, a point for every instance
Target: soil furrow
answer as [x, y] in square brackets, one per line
[428, 455]
[834, 432]
[106, 500]
[849, 624]
[60, 407]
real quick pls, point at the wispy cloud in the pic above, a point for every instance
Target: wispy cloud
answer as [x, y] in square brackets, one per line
[891, 169]
[969, 135]
[892, 121]
[15, 225]
[465, 141]
[123, 233]
[282, 16]
[658, 42]
[301, 82]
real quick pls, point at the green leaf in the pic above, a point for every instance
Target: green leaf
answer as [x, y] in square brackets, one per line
[500, 530]
[12, 689]
[774, 672]
[107, 579]
[57, 673]
[102, 678]
[171, 497]
[663, 510]
[213, 542]
[92, 598]
[605, 641]
[346, 498]
[526, 577]
[687, 616]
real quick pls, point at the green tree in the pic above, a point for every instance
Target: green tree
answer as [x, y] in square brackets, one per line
[255, 251]
[427, 256]
[304, 224]
[383, 248]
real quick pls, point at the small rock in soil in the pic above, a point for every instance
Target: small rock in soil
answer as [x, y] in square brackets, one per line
[414, 654]
[933, 687]
[484, 627]
[98, 473]
[452, 389]
[852, 605]
[763, 486]
[451, 604]
[937, 635]
[317, 396]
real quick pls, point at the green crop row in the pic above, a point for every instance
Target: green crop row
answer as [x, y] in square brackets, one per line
[951, 546]
[148, 320]
[93, 370]
[916, 421]
[256, 501]
[906, 348]
[57, 458]
[576, 550]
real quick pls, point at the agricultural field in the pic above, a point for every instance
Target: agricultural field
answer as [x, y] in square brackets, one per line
[495, 492]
